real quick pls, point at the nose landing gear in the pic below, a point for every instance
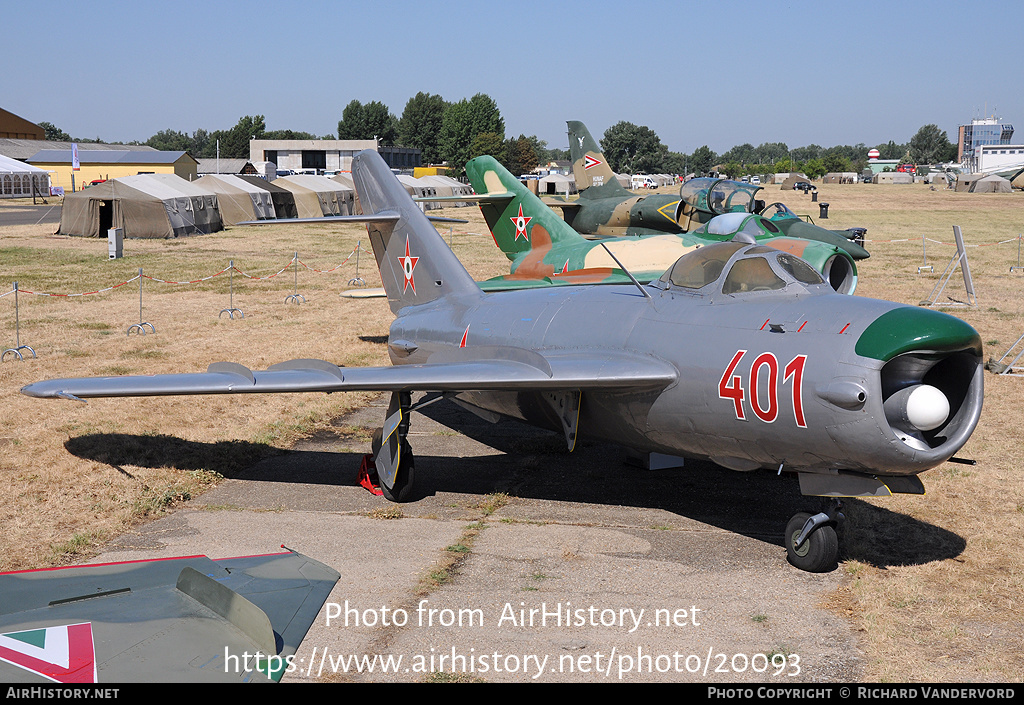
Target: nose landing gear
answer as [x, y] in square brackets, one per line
[811, 540]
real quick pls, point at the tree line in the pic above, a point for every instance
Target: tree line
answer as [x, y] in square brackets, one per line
[453, 132]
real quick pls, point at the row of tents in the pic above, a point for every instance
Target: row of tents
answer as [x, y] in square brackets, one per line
[165, 205]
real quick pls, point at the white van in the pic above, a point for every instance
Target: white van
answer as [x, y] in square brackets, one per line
[643, 181]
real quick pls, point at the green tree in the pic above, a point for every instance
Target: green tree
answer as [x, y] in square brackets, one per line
[890, 150]
[289, 135]
[702, 160]
[461, 123]
[676, 163]
[835, 160]
[420, 125]
[170, 141]
[520, 155]
[234, 143]
[52, 132]
[634, 149]
[364, 122]
[488, 143]
[814, 168]
[930, 145]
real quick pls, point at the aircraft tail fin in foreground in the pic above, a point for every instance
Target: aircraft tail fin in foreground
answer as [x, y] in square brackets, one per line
[520, 223]
[594, 178]
[416, 265]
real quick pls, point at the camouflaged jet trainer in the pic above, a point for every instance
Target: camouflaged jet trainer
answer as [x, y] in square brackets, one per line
[543, 248]
[607, 209]
[740, 354]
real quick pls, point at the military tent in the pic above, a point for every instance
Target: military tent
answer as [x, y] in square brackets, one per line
[965, 182]
[345, 179]
[557, 183]
[317, 196]
[283, 199]
[790, 181]
[238, 199]
[447, 186]
[144, 205]
[418, 188]
[991, 184]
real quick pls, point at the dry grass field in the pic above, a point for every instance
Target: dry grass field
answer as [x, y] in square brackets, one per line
[68, 488]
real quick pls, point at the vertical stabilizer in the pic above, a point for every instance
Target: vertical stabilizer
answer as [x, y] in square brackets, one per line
[514, 222]
[594, 178]
[416, 265]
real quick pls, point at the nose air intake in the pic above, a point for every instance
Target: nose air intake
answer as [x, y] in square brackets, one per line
[839, 272]
[931, 382]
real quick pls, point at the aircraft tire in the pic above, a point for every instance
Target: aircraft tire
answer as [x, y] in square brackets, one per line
[819, 553]
[404, 478]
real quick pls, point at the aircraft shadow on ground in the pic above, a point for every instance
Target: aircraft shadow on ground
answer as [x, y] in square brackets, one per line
[534, 464]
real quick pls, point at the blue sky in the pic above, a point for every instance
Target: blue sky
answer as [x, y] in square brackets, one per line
[716, 73]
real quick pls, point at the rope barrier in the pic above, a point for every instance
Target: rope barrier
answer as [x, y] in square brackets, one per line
[192, 281]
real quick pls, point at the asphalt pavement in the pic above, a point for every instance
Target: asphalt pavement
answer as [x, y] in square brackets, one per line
[588, 570]
[28, 214]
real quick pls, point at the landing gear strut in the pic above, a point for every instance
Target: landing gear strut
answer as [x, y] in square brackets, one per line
[811, 540]
[392, 454]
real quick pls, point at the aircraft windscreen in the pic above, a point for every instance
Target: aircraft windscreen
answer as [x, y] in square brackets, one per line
[719, 195]
[752, 274]
[699, 268]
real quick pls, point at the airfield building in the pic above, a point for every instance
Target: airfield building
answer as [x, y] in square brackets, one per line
[986, 131]
[327, 156]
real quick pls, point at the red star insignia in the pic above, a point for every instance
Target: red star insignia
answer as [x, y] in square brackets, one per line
[589, 161]
[408, 267]
[521, 221]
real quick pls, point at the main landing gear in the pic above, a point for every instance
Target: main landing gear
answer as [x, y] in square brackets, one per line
[391, 452]
[811, 540]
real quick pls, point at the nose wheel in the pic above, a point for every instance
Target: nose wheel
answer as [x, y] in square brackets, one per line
[811, 540]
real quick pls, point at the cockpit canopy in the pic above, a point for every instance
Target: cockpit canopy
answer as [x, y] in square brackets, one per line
[736, 268]
[719, 195]
[727, 226]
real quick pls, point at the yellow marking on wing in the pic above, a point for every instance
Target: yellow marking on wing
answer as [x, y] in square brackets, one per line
[649, 254]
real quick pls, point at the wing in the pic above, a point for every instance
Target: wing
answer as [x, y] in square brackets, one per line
[159, 621]
[378, 218]
[483, 368]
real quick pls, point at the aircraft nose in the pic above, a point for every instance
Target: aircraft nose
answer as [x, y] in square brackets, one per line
[910, 328]
[931, 380]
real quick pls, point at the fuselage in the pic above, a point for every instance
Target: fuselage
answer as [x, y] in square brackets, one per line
[765, 378]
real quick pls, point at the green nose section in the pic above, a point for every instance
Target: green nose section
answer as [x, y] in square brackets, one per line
[807, 231]
[910, 329]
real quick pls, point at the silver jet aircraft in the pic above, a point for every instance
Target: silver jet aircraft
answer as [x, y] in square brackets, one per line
[740, 354]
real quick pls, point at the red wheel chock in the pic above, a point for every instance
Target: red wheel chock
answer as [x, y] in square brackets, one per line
[368, 475]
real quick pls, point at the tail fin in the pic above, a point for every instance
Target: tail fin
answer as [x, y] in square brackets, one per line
[416, 265]
[514, 221]
[594, 178]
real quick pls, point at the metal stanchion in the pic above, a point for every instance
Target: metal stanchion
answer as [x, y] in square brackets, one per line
[18, 347]
[231, 310]
[141, 326]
